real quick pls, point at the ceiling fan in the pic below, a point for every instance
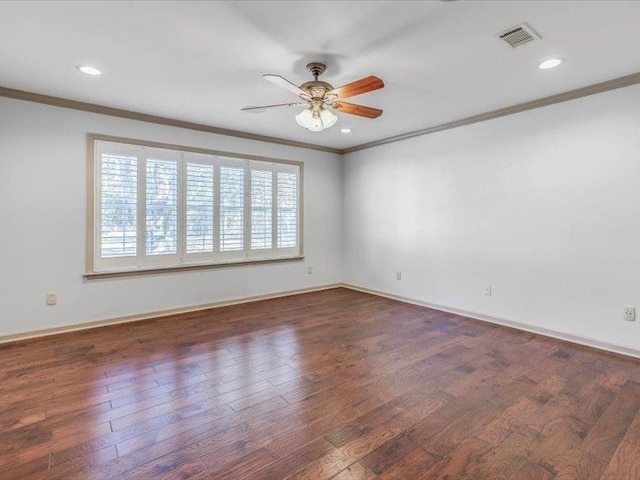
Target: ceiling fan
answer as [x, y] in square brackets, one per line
[321, 99]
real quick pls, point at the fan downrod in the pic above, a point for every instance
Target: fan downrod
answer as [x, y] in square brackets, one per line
[316, 69]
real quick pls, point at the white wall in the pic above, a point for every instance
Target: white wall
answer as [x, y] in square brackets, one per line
[543, 205]
[43, 224]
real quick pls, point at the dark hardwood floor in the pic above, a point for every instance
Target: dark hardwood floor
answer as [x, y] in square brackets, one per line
[335, 384]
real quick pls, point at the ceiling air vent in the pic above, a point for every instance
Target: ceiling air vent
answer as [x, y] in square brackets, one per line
[519, 35]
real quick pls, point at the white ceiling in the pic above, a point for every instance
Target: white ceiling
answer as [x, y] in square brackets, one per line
[202, 61]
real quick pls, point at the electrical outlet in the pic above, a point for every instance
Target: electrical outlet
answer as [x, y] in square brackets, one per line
[398, 275]
[487, 290]
[309, 270]
[629, 313]
[52, 299]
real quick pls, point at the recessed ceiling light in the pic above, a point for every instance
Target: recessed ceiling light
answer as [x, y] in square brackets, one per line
[89, 70]
[345, 130]
[550, 63]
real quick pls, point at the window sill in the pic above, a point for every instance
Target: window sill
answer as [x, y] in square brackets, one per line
[184, 268]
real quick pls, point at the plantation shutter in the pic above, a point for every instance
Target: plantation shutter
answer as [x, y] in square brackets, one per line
[231, 209]
[200, 208]
[261, 209]
[118, 206]
[287, 210]
[162, 207]
[161, 236]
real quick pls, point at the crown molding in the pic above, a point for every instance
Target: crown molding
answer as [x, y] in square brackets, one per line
[620, 82]
[613, 84]
[144, 117]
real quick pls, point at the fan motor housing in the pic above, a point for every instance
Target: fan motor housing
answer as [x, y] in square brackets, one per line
[316, 88]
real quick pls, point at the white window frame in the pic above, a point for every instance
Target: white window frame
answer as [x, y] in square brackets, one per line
[143, 263]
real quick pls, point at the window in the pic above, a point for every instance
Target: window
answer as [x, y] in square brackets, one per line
[161, 207]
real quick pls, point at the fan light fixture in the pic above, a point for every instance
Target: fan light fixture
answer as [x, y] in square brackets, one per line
[316, 119]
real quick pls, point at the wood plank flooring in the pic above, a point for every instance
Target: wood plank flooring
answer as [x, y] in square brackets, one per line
[334, 384]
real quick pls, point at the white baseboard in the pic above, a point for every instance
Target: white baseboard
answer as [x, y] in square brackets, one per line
[589, 342]
[568, 337]
[157, 314]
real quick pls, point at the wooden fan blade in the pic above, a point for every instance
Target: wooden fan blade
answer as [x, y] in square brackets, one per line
[284, 83]
[358, 87]
[359, 110]
[251, 108]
